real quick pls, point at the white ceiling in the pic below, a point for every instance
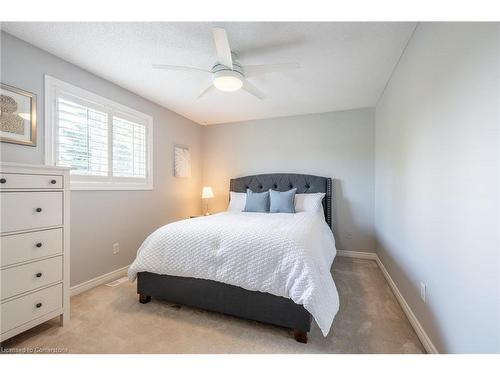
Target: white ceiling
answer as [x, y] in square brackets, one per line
[343, 65]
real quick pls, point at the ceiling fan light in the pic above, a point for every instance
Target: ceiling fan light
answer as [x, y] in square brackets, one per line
[227, 81]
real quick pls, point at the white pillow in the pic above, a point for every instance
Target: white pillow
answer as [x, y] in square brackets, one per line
[309, 202]
[237, 201]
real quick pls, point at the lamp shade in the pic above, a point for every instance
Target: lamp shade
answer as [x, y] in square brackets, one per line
[207, 192]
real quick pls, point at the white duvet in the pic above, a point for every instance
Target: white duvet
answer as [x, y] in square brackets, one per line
[288, 255]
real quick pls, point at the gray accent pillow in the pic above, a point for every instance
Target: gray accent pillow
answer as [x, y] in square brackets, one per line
[282, 201]
[257, 202]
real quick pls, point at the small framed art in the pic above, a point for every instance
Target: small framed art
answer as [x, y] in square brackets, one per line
[182, 162]
[17, 116]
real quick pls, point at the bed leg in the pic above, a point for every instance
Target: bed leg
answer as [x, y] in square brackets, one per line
[144, 298]
[300, 336]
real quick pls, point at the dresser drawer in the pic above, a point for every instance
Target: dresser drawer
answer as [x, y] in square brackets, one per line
[24, 309]
[30, 181]
[26, 210]
[20, 279]
[16, 248]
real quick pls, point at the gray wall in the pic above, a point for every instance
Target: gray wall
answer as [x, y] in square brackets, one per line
[436, 199]
[337, 144]
[100, 218]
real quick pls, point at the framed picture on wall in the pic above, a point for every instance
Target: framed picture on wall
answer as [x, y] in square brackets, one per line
[17, 116]
[182, 162]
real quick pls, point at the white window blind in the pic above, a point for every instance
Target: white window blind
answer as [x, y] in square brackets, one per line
[82, 138]
[129, 148]
[108, 146]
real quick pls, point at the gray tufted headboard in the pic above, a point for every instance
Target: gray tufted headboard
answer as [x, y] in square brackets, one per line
[286, 181]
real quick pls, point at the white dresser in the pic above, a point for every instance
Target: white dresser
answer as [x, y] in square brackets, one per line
[34, 246]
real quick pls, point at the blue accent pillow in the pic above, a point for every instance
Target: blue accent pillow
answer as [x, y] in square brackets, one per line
[282, 201]
[257, 202]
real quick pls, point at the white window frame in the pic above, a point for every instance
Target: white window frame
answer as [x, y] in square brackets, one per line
[53, 87]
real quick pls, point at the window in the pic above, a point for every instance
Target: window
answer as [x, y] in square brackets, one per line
[107, 145]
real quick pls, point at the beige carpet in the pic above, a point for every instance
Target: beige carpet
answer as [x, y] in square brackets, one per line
[111, 320]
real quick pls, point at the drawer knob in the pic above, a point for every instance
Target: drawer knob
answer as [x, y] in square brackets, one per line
[39, 244]
[38, 305]
[3, 180]
[39, 274]
[38, 209]
[53, 182]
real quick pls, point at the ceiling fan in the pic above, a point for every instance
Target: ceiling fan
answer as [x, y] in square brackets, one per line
[227, 73]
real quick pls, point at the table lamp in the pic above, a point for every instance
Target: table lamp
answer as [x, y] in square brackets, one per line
[207, 193]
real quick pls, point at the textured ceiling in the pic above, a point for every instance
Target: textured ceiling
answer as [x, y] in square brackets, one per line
[343, 65]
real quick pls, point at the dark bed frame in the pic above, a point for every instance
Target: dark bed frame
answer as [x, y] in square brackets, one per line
[233, 300]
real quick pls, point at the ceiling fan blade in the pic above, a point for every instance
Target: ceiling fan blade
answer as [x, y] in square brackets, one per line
[179, 67]
[257, 70]
[251, 89]
[222, 47]
[206, 91]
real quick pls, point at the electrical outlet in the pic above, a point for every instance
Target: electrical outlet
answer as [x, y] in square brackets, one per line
[116, 248]
[422, 291]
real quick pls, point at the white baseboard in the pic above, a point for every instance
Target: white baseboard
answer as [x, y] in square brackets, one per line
[419, 330]
[422, 335]
[96, 281]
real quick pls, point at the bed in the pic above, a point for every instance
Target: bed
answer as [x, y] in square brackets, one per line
[284, 297]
